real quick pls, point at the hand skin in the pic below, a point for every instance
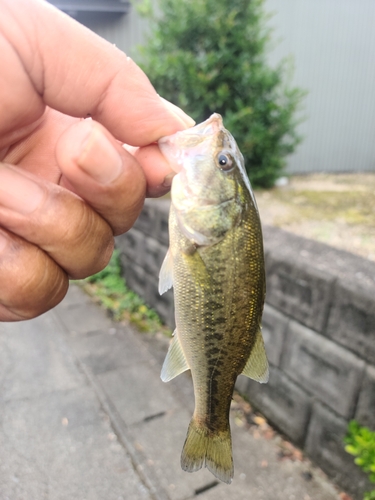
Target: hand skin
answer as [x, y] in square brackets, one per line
[67, 184]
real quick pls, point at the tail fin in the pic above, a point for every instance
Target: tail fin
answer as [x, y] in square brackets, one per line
[203, 448]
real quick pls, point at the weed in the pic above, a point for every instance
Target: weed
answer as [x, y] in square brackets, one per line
[360, 442]
[109, 288]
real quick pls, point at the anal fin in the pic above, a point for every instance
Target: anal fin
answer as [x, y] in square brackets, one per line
[257, 364]
[175, 361]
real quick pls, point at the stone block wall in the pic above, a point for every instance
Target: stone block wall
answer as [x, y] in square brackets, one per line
[319, 331]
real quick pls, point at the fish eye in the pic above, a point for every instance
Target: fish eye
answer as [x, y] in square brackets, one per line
[225, 161]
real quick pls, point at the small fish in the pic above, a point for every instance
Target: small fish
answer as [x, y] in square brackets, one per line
[215, 263]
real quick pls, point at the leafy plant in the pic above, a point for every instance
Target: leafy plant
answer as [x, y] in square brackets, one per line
[109, 288]
[360, 442]
[210, 56]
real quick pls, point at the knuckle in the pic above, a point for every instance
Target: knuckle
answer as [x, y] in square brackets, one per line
[93, 245]
[30, 282]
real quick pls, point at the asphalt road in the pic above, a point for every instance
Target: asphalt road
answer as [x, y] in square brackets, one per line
[85, 416]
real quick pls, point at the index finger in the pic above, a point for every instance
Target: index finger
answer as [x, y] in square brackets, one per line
[80, 74]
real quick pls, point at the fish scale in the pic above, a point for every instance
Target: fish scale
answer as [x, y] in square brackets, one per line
[216, 265]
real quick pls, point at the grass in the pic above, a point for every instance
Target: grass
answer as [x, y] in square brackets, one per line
[109, 289]
[360, 442]
[351, 207]
[337, 209]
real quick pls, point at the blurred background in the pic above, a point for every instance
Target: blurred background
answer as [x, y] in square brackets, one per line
[332, 45]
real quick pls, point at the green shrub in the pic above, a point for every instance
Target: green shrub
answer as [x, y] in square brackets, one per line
[360, 442]
[209, 56]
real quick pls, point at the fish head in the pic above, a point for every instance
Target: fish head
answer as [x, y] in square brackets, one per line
[205, 158]
[211, 185]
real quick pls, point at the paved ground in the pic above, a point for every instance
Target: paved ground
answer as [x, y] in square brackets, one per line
[84, 416]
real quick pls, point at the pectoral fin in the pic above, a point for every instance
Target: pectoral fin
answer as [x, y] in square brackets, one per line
[175, 361]
[257, 364]
[199, 225]
[166, 273]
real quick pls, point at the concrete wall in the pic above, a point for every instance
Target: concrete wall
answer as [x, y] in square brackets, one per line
[319, 330]
[332, 43]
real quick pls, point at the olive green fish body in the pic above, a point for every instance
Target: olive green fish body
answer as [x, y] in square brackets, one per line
[216, 264]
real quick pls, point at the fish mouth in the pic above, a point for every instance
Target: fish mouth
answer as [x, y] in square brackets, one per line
[179, 150]
[211, 126]
[175, 148]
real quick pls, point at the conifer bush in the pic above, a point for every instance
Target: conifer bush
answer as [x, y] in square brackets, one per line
[209, 56]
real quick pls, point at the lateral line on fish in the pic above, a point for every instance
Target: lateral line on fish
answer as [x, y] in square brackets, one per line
[210, 383]
[231, 295]
[212, 371]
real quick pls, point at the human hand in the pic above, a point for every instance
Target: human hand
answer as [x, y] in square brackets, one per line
[67, 185]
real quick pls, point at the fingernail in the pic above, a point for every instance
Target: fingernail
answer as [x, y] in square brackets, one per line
[168, 179]
[18, 192]
[181, 115]
[99, 158]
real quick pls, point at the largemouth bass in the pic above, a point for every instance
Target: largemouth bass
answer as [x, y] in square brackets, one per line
[215, 263]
